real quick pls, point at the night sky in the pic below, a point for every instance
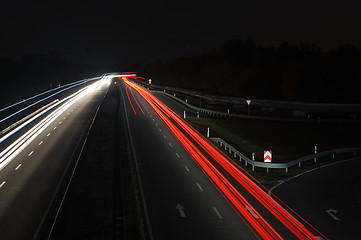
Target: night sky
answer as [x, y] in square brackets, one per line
[111, 32]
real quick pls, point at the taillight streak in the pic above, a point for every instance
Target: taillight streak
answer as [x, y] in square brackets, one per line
[272, 206]
[263, 228]
[130, 101]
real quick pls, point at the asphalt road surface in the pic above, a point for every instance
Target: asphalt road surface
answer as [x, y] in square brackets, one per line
[329, 198]
[181, 202]
[29, 184]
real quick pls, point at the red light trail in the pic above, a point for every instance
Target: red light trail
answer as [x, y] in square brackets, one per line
[259, 224]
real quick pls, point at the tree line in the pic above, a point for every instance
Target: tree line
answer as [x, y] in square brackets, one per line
[301, 72]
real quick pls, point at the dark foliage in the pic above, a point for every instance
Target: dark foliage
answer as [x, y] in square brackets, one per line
[300, 72]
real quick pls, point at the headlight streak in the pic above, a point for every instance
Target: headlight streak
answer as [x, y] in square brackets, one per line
[33, 104]
[40, 94]
[9, 153]
[271, 205]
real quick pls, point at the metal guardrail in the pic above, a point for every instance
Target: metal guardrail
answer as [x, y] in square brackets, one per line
[306, 106]
[232, 115]
[298, 161]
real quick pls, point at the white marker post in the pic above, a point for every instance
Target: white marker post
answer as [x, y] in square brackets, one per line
[208, 132]
[314, 159]
[184, 114]
[197, 114]
[150, 81]
[248, 104]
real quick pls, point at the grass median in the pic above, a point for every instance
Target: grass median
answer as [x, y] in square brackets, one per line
[287, 141]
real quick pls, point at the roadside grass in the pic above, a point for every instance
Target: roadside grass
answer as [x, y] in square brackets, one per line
[287, 141]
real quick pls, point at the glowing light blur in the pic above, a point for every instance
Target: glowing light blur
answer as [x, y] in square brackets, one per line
[10, 152]
[263, 228]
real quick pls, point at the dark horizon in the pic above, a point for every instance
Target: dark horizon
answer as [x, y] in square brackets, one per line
[113, 32]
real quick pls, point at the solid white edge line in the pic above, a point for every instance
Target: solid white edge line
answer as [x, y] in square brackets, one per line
[146, 213]
[69, 182]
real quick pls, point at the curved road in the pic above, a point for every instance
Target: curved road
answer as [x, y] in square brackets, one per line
[328, 197]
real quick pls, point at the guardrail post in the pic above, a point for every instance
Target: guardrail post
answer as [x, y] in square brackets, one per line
[252, 168]
[314, 159]
[286, 169]
[299, 164]
[235, 154]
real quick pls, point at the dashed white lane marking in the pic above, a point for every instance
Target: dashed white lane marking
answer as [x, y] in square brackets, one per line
[41, 142]
[156, 124]
[164, 136]
[170, 145]
[160, 130]
[64, 118]
[177, 155]
[18, 167]
[153, 119]
[200, 187]
[54, 128]
[48, 135]
[217, 212]
[2, 184]
[68, 114]
[59, 122]
[187, 168]
[31, 153]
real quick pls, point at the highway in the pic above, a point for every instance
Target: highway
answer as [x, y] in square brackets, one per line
[174, 163]
[189, 189]
[181, 201]
[32, 180]
[329, 197]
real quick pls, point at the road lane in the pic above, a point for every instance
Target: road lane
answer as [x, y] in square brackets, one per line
[328, 198]
[34, 175]
[181, 201]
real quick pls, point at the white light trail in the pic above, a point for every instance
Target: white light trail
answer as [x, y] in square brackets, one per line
[22, 142]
